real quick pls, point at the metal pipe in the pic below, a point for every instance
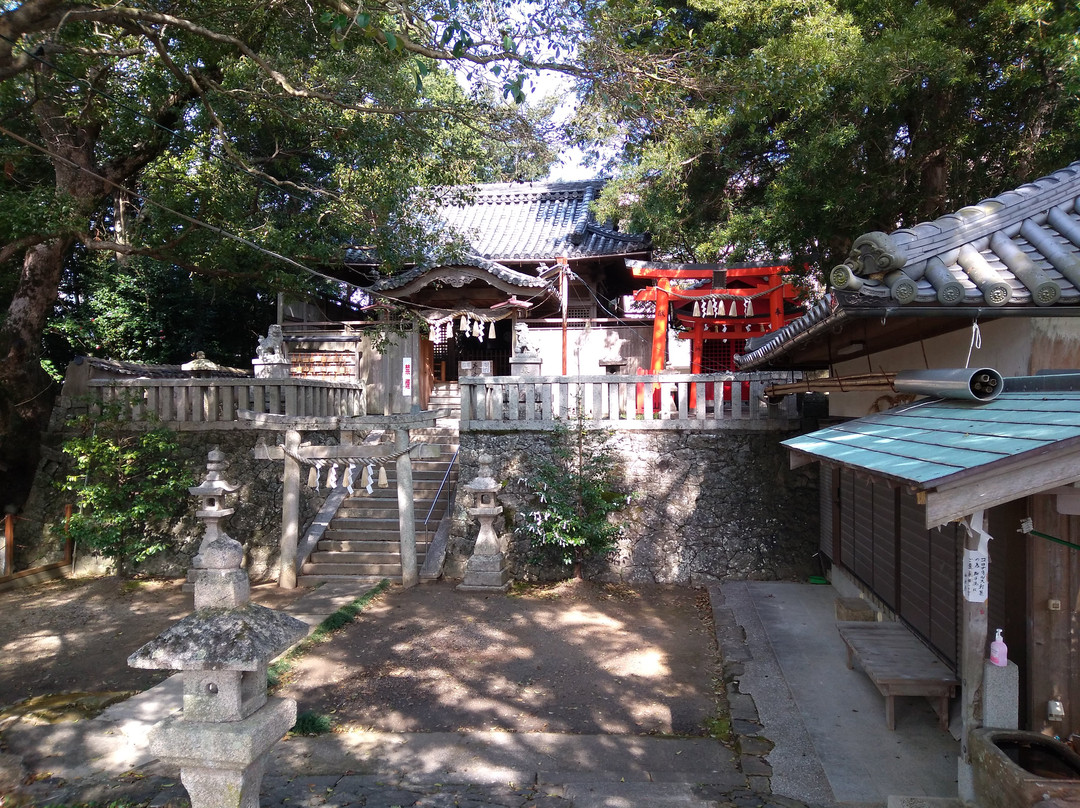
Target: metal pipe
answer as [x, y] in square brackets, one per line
[970, 384]
[442, 485]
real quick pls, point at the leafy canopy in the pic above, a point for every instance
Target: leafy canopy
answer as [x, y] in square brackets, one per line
[749, 128]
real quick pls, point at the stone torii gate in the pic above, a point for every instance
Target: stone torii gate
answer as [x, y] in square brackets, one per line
[294, 454]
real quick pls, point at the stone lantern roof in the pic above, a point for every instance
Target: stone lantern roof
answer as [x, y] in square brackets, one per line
[219, 638]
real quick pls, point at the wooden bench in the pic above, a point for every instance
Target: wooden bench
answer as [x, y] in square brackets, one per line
[899, 664]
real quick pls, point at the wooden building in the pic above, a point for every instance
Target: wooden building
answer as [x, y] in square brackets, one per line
[534, 252]
[994, 285]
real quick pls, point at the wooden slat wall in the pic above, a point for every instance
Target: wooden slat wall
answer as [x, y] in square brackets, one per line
[911, 570]
[847, 519]
[1054, 658]
[862, 506]
[914, 554]
[944, 589]
[826, 502]
[885, 543]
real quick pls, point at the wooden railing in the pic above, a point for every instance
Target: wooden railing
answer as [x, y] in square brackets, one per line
[664, 401]
[215, 403]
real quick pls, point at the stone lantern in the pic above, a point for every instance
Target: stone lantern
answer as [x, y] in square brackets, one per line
[223, 736]
[200, 367]
[486, 570]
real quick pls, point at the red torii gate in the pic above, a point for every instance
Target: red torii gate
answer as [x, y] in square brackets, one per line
[760, 289]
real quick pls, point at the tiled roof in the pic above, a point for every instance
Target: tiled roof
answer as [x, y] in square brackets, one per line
[932, 441]
[116, 368]
[1017, 250]
[536, 221]
[501, 272]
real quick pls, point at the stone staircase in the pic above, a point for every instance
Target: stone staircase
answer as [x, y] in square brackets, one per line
[446, 396]
[361, 543]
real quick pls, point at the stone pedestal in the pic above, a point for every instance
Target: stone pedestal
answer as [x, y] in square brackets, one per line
[270, 369]
[1001, 695]
[525, 364]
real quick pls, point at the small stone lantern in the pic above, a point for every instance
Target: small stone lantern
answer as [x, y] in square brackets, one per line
[222, 739]
[200, 367]
[486, 570]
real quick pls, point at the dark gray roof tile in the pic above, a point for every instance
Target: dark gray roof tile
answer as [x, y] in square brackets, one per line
[1004, 251]
[535, 221]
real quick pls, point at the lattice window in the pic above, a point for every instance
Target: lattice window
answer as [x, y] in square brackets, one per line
[718, 356]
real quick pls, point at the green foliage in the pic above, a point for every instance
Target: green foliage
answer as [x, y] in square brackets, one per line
[575, 493]
[310, 722]
[129, 488]
[772, 127]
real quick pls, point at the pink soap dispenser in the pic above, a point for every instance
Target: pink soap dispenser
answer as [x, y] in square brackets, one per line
[999, 652]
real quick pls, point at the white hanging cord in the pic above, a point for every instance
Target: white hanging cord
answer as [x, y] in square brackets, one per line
[976, 342]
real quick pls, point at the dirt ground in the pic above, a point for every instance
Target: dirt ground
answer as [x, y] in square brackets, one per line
[76, 634]
[571, 658]
[574, 657]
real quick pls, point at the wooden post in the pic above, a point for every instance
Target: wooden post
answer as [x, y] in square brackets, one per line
[697, 348]
[290, 513]
[564, 292]
[9, 544]
[410, 574]
[973, 631]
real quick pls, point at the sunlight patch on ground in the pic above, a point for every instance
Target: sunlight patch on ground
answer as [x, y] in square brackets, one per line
[648, 664]
[579, 616]
[37, 644]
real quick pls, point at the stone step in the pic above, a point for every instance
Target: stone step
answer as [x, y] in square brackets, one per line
[318, 578]
[382, 536]
[319, 558]
[357, 570]
[374, 527]
[388, 522]
[365, 546]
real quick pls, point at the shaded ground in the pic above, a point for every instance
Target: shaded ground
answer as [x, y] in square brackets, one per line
[571, 658]
[76, 634]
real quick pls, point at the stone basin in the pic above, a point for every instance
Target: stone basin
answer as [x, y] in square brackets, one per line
[1017, 769]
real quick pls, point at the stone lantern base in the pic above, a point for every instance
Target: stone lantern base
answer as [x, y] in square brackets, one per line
[222, 764]
[486, 573]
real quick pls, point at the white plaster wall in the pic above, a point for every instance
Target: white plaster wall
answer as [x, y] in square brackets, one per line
[585, 347]
[1006, 347]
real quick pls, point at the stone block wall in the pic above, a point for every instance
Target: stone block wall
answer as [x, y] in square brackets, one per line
[256, 524]
[705, 506]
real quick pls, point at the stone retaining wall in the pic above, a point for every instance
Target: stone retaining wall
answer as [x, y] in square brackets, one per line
[705, 506]
[256, 523]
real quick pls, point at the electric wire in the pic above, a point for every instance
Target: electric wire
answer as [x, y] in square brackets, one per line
[183, 216]
[176, 133]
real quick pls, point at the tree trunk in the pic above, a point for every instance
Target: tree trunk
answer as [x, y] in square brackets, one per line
[26, 391]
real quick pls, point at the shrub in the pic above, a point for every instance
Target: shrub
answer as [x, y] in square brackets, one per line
[575, 493]
[129, 487]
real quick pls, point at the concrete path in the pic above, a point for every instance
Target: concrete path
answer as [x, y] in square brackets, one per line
[828, 722]
[808, 732]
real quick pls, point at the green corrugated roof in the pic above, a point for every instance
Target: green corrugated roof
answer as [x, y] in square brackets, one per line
[928, 441]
